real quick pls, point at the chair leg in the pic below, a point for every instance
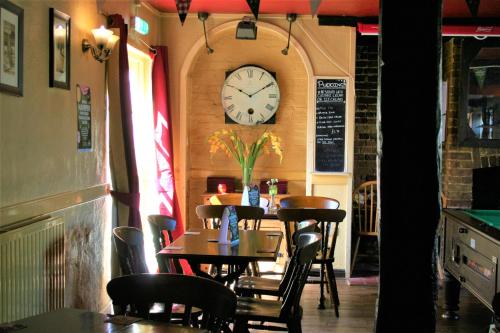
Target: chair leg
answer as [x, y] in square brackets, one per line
[332, 282]
[321, 304]
[355, 254]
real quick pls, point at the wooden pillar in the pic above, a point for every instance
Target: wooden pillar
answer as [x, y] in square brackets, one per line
[408, 119]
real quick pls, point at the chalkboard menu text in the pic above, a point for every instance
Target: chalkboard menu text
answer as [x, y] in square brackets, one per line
[330, 125]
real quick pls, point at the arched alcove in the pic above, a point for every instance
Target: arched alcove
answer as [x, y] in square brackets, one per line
[202, 76]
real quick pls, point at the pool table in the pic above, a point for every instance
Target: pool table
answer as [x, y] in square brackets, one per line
[471, 255]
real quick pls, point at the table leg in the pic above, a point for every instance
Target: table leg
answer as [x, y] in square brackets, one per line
[451, 296]
[234, 272]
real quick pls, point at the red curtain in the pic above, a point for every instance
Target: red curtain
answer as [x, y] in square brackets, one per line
[163, 140]
[130, 197]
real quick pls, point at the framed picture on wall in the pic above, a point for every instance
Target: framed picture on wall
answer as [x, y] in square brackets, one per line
[11, 48]
[59, 49]
[479, 112]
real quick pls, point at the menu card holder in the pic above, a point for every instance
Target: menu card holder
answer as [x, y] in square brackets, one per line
[229, 222]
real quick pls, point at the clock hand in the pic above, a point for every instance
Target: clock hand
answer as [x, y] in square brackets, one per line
[239, 90]
[266, 86]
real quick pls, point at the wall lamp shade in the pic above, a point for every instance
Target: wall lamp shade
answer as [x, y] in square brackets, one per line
[105, 42]
[246, 29]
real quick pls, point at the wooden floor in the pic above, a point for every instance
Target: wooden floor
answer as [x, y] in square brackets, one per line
[357, 312]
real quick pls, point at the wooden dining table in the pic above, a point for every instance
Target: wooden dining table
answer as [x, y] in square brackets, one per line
[200, 246]
[82, 321]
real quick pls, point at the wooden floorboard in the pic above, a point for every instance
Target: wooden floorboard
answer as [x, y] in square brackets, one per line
[357, 312]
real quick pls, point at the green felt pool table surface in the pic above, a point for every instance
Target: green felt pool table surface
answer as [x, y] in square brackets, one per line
[490, 217]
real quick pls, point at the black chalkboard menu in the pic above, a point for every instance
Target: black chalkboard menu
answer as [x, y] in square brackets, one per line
[330, 125]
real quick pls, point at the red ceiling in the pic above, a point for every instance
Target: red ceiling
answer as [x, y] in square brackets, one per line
[452, 8]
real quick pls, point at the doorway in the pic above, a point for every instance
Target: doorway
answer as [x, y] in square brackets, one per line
[140, 65]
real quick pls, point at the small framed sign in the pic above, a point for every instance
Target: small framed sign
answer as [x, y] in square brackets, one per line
[11, 48]
[59, 49]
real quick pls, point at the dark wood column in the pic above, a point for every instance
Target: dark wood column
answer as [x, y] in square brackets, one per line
[409, 84]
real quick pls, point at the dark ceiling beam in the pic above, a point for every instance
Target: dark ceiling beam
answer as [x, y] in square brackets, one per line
[352, 21]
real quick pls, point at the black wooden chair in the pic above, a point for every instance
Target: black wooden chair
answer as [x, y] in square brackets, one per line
[287, 311]
[249, 216]
[253, 285]
[129, 244]
[325, 218]
[161, 228]
[216, 302]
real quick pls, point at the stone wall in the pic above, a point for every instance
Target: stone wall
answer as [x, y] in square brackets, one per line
[365, 133]
[458, 162]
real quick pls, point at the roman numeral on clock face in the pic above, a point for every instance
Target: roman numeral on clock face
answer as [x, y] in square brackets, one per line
[230, 108]
[238, 76]
[239, 115]
[250, 73]
[228, 97]
[250, 119]
[273, 96]
[269, 107]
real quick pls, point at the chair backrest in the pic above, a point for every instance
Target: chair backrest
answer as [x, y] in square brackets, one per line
[251, 216]
[306, 201]
[307, 247]
[217, 302]
[321, 215]
[365, 208]
[161, 229]
[211, 215]
[129, 244]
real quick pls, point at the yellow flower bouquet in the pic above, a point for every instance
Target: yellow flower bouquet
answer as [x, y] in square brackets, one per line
[245, 154]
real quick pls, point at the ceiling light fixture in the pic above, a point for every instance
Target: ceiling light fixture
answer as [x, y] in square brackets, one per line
[105, 41]
[202, 16]
[246, 29]
[290, 18]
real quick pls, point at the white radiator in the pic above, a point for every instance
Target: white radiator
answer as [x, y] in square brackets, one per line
[32, 269]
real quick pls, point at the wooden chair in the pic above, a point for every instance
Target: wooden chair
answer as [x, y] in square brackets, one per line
[250, 216]
[326, 218]
[365, 214]
[216, 302]
[162, 227]
[287, 311]
[305, 201]
[129, 244]
[252, 285]
[211, 215]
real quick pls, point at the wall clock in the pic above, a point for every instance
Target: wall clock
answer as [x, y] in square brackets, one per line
[250, 96]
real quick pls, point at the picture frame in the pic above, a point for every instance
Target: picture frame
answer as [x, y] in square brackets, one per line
[11, 48]
[59, 49]
[479, 98]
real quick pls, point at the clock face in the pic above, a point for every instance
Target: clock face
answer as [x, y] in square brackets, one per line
[250, 95]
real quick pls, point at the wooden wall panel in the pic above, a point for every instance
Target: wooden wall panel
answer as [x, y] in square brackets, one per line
[206, 114]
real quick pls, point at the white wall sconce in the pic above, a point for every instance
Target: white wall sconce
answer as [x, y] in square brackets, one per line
[105, 41]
